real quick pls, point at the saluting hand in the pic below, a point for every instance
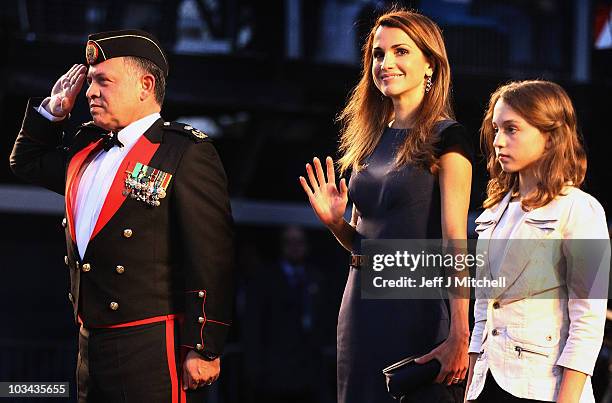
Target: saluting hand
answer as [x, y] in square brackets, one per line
[327, 201]
[65, 91]
[199, 372]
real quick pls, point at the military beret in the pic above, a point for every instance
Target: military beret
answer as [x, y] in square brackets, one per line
[129, 42]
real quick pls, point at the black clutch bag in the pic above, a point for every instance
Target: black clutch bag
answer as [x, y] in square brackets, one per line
[406, 375]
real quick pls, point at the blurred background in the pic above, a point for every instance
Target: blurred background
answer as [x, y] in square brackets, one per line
[266, 79]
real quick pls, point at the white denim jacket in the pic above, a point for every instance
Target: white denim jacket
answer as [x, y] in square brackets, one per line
[552, 311]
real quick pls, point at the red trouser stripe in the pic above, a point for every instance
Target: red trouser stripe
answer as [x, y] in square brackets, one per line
[172, 360]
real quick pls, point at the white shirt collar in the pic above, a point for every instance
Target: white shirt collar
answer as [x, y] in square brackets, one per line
[132, 132]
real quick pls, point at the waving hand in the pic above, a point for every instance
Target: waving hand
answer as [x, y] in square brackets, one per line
[327, 201]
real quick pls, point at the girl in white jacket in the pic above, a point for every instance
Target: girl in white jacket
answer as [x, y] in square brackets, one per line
[538, 338]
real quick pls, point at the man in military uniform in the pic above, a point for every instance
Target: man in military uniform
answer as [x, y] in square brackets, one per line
[148, 225]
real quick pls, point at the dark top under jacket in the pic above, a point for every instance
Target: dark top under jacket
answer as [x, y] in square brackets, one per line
[392, 203]
[146, 261]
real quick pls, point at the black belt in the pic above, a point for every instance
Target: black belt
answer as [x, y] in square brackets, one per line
[357, 261]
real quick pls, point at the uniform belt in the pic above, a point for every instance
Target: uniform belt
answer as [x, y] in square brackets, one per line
[357, 261]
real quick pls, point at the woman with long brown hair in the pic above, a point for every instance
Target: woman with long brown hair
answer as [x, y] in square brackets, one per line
[537, 339]
[410, 169]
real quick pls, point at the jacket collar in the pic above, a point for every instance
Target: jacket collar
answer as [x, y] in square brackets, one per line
[155, 134]
[493, 214]
[539, 224]
[130, 134]
[549, 213]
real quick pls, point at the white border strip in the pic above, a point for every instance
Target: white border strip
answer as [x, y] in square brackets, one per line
[18, 199]
[22, 199]
[30, 200]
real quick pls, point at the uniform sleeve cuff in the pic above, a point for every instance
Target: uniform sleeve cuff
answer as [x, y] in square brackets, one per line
[41, 109]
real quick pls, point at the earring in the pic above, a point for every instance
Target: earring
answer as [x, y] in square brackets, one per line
[428, 84]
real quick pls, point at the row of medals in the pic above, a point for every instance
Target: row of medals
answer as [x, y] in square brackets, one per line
[146, 188]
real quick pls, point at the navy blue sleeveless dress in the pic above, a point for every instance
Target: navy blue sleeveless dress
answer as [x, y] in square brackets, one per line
[393, 204]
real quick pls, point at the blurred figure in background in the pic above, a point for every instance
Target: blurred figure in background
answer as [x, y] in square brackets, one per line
[284, 327]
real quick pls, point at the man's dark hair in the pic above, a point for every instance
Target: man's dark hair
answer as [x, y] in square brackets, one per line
[148, 67]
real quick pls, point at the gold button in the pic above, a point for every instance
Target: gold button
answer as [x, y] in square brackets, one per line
[127, 233]
[200, 320]
[495, 332]
[120, 269]
[549, 338]
[70, 297]
[199, 347]
[114, 306]
[201, 294]
[86, 267]
[66, 260]
[77, 264]
[64, 222]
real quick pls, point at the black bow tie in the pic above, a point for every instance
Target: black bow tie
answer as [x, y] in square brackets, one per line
[111, 140]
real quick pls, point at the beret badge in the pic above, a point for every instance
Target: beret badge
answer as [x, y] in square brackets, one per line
[91, 52]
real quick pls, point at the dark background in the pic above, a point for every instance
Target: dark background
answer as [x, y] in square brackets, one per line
[266, 80]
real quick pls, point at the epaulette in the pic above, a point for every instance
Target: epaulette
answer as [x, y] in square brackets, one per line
[186, 130]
